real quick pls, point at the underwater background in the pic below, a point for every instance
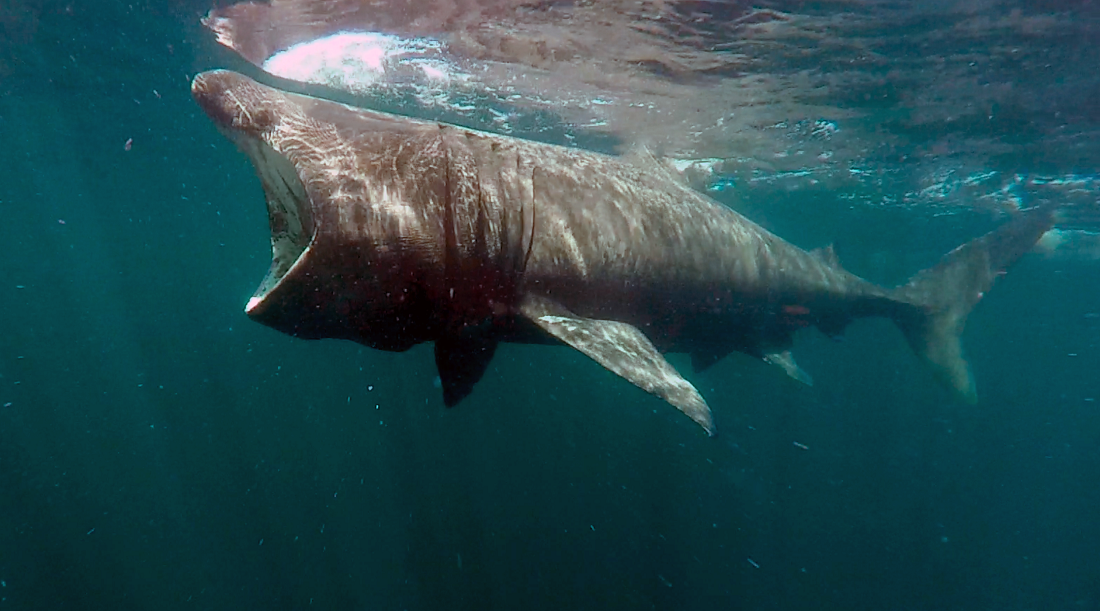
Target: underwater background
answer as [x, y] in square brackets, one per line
[158, 450]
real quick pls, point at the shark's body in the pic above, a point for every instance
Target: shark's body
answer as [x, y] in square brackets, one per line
[391, 232]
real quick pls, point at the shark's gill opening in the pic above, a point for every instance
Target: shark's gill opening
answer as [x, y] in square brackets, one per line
[289, 212]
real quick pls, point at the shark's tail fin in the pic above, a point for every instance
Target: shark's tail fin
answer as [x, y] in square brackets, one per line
[943, 295]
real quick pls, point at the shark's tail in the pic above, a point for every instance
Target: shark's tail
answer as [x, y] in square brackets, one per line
[942, 296]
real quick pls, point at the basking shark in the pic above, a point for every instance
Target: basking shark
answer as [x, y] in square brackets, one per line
[391, 231]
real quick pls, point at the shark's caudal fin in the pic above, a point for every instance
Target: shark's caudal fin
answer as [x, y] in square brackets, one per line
[944, 295]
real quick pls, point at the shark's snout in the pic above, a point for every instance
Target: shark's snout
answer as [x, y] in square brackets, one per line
[209, 90]
[234, 102]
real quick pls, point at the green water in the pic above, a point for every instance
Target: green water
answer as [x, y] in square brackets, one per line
[160, 451]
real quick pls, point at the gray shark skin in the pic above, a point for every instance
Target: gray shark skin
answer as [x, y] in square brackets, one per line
[391, 231]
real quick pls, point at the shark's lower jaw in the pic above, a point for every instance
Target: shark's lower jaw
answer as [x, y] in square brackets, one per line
[289, 211]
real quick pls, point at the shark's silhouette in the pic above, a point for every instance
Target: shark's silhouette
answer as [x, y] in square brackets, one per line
[391, 231]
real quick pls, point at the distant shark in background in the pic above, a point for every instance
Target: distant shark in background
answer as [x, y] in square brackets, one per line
[391, 231]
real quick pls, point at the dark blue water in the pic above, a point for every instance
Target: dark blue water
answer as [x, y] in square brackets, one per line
[160, 451]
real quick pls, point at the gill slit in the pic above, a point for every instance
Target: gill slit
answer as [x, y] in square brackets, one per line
[450, 242]
[531, 237]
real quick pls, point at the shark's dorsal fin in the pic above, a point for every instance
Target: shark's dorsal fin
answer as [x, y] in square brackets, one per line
[622, 349]
[785, 361]
[827, 255]
[644, 158]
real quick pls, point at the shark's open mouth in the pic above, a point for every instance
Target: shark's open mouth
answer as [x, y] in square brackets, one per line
[289, 211]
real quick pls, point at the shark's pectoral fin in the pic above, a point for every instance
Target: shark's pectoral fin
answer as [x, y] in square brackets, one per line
[785, 361]
[622, 349]
[461, 362]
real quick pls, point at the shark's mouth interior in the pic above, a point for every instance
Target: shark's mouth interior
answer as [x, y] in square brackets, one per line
[289, 211]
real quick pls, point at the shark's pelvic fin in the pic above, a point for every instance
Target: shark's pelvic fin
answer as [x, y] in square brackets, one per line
[622, 349]
[943, 296]
[785, 361]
